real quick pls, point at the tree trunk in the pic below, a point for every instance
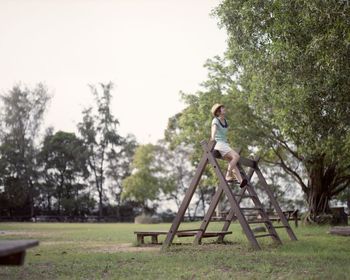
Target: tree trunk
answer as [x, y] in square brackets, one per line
[31, 198]
[100, 204]
[203, 202]
[319, 189]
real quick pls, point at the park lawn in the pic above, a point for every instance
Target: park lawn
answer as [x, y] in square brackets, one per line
[109, 251]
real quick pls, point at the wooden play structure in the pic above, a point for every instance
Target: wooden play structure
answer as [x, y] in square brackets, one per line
[236, 212]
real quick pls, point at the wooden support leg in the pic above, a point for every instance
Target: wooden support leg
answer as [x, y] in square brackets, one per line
[263, 214]
[208, 215]
[275, 204]
[140, 239]
[154, 239]
[14, 259]
[223, 184]
[231, 214]
[188, 196]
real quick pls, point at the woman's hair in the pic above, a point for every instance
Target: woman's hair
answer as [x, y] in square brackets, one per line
[216, 113]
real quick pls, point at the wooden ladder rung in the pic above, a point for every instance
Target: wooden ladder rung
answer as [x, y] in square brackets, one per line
[258, 221]
[250, 215]
[253, 208]
[281, 226]
[264, 235]
[245, 195]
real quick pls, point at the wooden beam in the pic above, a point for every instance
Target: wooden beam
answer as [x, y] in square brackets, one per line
[187, 199]
[275, 204]
[224, 186]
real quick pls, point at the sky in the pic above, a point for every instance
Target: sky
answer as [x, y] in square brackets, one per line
[150, 49]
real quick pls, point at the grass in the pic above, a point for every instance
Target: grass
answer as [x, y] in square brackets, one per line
[108, 251]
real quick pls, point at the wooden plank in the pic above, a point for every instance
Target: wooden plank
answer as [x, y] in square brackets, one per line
[12, 252]
[247, 162]
[151, 232]
[8, 247]
[344, 231]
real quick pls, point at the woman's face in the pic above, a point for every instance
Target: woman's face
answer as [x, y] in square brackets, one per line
[222, 111]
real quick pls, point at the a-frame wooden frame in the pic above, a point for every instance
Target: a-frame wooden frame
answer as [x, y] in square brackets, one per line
[236, 212]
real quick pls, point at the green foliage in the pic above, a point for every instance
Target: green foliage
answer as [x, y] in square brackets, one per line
[64, 160]
[285, 81]
[145, 183]
[120, 163]
[99, 133]
[21, 116]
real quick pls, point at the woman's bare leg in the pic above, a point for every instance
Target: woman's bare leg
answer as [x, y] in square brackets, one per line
[232, 157]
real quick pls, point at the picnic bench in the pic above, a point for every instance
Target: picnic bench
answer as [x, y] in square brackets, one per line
[291, 215]
[344, 231]
[180, 233]
[12, 252]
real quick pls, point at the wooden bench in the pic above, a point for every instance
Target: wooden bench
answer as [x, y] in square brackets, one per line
[344, 231]
[291, 215]
[12, 252]
[181, 233]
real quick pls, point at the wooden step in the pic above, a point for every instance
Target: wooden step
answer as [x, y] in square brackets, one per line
[258, 221]
[281, 226]
[264, 235]
[217, 219]
[205, 234]
[245, 195]
[253, 208]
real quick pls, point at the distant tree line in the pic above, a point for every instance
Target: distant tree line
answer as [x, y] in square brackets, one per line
[62, 173]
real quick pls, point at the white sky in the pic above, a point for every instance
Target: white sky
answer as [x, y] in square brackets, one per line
[150, 49]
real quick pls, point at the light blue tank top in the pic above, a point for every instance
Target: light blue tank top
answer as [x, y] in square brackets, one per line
[221, 131]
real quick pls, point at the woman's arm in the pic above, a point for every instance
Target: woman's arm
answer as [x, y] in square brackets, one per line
[213, 131]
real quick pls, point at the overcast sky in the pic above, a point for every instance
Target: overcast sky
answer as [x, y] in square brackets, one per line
[150, 49]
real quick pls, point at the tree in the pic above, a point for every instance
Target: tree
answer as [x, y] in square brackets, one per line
[119, 167]
[21, 118]
[145, 184]
[176, 170]
[292, 63]
[99, 134]
[285, 79]
[65, 168]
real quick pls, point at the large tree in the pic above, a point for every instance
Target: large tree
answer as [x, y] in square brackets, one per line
[147, 181]
[98, 130]
[285, 79]
[63, 158]
[22, 114]
[120, 167]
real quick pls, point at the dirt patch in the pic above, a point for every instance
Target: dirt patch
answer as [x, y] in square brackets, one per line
[126, 247]
[49, 243]
[24, 233]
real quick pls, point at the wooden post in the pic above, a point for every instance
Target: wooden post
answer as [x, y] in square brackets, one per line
[224, 186]
[263, 214]
[275, 205]
[231, 214]
[187, 199]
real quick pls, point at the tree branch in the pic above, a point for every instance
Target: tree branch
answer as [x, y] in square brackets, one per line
[291, 171]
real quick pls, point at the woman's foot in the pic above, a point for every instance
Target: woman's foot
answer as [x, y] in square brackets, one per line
[243, 183]
[229, 179]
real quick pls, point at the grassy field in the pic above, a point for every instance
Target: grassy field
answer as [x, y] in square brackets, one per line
[109, 251]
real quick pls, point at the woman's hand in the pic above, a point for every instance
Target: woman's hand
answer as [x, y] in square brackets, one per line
[213, 132]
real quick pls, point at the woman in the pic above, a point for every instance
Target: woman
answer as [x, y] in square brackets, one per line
[219, 134]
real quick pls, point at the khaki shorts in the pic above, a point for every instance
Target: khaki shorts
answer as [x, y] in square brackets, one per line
[223, 148]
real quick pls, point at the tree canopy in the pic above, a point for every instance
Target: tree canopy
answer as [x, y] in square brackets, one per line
[285, 81]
